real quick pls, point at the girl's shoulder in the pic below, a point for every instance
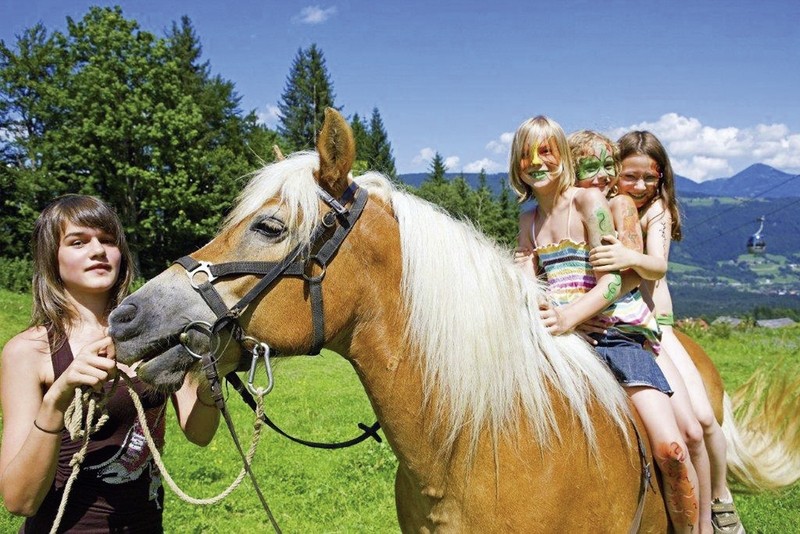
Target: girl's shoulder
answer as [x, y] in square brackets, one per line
[34, 339]
[655, 211]
[588, 199]
[621, 201]
[27, 348]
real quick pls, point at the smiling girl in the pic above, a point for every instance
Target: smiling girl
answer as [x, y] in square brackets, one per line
[554, 240]
[646, 177]
[82, 269]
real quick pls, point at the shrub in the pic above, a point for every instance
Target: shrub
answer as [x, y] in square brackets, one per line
[16, 274]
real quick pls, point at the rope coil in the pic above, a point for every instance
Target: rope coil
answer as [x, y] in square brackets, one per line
[81, 424]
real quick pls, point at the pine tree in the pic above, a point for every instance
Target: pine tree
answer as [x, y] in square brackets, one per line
[380, 156]
[307, 93]
[437, 170]
[153, 134]
[361, 137]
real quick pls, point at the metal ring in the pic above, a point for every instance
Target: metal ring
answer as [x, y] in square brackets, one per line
[203, 267]
[318, 278]
[205, 328]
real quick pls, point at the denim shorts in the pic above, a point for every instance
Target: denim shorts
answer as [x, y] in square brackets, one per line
[631, 363]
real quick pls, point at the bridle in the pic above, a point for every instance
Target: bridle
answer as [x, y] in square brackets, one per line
[297, 263]
[326, 239]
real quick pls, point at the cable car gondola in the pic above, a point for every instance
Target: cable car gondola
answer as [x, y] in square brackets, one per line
[756, 243]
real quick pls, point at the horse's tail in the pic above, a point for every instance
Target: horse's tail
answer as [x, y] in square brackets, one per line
[762, 429]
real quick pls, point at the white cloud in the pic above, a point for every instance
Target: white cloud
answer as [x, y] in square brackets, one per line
[488, 165]
[501, 145]
[315, 15]
[700, 168]
[784, 154]
[451, 163]
[269, 117]
[425, 155]
[704, 152]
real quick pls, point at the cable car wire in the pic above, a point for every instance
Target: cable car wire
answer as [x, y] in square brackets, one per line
[717, 214]
[744, 224]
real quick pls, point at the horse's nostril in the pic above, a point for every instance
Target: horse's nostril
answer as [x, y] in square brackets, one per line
[121, 322]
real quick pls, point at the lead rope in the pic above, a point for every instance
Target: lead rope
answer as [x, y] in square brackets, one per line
[80, 427]
[257, 427]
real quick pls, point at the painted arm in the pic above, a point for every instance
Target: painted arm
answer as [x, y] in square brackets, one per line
[198, 417]
[29, 455]
[597, 221]
[627, 250]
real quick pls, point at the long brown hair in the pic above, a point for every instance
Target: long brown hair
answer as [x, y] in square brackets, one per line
[51, 308]
[646, 144]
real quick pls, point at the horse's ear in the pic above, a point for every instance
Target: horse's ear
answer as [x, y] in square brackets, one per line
[337, 151]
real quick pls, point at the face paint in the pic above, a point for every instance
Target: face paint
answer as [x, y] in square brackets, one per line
[539, 169]
[614, 287]
[535, 159]
[590, 166]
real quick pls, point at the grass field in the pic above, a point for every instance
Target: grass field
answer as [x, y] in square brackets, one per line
[351, 490]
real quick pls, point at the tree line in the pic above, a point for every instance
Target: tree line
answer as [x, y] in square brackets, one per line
[109, 109]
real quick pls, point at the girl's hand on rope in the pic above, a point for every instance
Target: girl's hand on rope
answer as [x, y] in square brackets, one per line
[612, 256]
[93, 366]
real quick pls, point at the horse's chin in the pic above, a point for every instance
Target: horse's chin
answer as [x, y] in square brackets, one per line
[166, 371]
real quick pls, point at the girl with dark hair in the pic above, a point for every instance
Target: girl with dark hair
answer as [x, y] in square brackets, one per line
[82, 269]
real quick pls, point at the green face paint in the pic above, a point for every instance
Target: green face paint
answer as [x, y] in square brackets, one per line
[590, 166]
[614, 287]
[536, 176]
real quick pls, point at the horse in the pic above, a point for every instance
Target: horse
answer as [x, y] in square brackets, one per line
[496, 425]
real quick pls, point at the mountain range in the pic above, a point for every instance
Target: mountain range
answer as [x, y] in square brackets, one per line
[756, 181]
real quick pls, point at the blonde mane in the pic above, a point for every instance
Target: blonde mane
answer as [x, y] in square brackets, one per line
[474, 317]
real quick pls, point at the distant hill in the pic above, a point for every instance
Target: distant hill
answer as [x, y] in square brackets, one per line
[756, 181]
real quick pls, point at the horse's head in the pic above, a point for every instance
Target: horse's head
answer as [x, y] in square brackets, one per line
[275, 269]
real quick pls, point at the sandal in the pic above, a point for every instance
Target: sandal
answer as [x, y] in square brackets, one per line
[725, 519]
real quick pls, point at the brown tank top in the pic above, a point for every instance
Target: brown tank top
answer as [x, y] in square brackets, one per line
[118, 488]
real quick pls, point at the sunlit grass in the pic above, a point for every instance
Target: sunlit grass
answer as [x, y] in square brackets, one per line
[351, 490]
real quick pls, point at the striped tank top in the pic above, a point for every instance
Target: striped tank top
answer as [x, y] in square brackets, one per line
[565, 266]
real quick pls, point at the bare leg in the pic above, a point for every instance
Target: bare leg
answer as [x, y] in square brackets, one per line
[714, 438]
[692, 434]
[715, 443]
[670, 452]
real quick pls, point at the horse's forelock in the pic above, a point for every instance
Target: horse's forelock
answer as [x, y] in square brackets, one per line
[292, 181]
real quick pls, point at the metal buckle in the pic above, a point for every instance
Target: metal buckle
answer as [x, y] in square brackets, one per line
[259, 349]
[203, 267]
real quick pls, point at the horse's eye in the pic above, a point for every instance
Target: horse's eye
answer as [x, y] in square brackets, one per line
[270, 227]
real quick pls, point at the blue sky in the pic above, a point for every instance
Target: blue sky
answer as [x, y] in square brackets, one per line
[717, 81]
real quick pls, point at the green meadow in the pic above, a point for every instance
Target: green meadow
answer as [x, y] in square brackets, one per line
[351, 490]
